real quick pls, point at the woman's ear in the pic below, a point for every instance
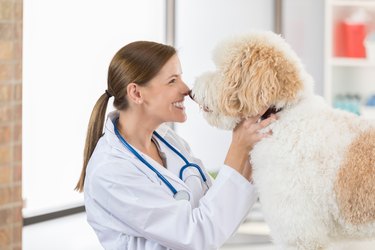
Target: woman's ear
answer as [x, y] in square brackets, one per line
[134, 93]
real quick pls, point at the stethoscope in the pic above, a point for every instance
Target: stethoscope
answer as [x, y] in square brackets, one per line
[178, 195]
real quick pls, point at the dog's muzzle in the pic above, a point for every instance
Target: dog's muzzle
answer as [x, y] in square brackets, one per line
[202, 107]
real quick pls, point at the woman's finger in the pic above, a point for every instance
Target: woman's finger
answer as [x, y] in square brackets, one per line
[250, 121]
[259, 136]
[267, 122]
[239, 124]
[253, 118]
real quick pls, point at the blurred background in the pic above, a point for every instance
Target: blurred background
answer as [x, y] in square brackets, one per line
[54, 57]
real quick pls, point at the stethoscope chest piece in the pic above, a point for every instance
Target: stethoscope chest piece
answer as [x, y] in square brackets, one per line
[182, 195]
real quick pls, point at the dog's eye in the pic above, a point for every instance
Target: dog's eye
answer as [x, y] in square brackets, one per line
[205, 109]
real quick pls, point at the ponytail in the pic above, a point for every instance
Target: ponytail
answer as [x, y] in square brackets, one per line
[94, 132]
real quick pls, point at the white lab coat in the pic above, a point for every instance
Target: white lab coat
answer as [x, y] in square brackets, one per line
[129, 207]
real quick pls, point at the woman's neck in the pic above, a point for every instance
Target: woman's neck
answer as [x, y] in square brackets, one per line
[137, 129]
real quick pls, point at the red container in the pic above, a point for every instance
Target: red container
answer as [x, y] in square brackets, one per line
[354, 35]
[339, 48]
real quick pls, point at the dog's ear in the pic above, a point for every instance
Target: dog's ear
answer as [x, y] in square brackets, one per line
[256, 78]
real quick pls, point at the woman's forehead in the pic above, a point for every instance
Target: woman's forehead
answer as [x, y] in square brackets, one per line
[171, 68]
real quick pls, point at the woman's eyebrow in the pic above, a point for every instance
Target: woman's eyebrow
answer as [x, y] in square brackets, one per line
[174, 75]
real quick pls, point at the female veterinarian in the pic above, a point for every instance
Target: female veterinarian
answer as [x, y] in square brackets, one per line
[143, 187]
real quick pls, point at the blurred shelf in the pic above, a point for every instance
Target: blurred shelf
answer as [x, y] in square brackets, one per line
[354, 3]
[346, 75]
[368, 112]
[352, 62]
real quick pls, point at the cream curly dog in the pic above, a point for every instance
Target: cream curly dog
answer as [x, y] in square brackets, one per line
[316, 173]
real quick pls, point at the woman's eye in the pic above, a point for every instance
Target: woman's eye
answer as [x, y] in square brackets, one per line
[173, 80]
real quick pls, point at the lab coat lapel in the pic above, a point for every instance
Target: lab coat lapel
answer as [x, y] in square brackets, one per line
[113, 140]
[165, 172]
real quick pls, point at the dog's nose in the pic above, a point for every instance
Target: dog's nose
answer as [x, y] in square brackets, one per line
[191, 95]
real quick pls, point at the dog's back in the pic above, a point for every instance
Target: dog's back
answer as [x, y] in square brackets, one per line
[318, 171]
[354, 185]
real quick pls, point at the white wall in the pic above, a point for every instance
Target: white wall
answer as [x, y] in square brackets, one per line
[67, 49]
[303, 28]
[199, 26]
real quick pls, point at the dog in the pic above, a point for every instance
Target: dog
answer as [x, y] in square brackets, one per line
[316, 173]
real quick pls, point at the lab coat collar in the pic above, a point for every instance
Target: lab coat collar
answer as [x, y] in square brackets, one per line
[112, 116]
[113, 140]
[112, 137]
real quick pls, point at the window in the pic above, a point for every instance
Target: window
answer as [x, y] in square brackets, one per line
[68, 46]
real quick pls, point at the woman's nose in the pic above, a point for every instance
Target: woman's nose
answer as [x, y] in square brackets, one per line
[185, 88]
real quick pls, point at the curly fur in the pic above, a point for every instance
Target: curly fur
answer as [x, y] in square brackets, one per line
[316, 173]
[273, 78]
[354, 186]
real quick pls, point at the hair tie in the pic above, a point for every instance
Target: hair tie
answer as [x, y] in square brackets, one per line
[108, 94]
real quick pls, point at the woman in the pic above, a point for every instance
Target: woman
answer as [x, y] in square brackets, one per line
[143, 188]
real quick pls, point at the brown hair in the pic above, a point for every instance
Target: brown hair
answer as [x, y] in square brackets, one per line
[137, 62]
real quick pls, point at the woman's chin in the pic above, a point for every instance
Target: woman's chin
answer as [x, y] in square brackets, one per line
[180, 118]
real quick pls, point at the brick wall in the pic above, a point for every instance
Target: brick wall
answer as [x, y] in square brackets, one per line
[10, 124]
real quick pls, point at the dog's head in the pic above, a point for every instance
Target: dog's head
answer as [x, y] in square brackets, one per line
[254, 72]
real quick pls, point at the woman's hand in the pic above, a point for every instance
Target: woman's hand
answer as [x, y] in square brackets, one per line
[245, 135]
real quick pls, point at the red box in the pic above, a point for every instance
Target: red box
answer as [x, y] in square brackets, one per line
[354, 36]
[349, 39]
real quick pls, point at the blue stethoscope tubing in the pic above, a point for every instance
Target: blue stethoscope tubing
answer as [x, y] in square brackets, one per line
[176, 194]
